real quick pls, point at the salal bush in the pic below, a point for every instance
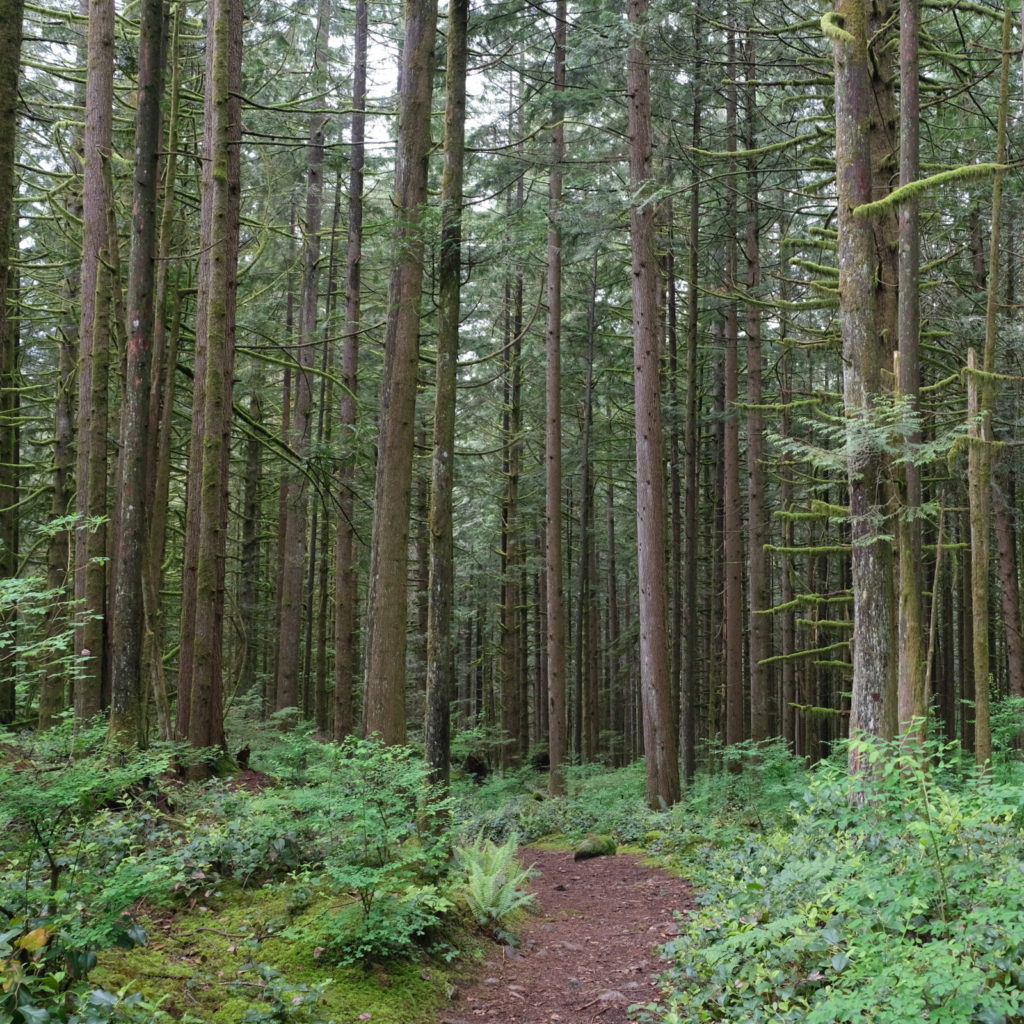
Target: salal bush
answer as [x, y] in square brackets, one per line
[897, 895]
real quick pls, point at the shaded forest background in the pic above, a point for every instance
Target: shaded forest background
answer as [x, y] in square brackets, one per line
[287, 423]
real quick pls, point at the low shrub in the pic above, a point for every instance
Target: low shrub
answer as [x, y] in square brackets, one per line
[891, 898]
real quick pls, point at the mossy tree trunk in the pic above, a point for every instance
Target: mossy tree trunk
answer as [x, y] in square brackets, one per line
[979, 413]
[912, 692]
[127, 704]
[295, 525]
[93, 360]
[872, 706]
[215, 335]
[10, 65]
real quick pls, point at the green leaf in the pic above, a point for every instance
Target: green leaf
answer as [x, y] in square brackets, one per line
[34, 1014]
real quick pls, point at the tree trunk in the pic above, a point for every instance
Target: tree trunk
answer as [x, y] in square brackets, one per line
[440, 613]
[127, 697]
[872, 708]
[93, 359]
[758, 574]
[215, 334]
[295, 521]
[161, 408]
[980, 428]
[691, 472]
[388, 599]
[587, 711]
[732, 518]
[658, 727]
[10, 65]
[556, 655]
[346, 588]
[912, 684]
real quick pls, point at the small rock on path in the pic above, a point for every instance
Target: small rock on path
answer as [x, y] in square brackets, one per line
[587, 954]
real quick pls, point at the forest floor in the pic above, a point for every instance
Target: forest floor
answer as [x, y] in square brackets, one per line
[588, 953]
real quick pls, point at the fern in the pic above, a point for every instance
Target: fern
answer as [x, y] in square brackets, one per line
[491, 882]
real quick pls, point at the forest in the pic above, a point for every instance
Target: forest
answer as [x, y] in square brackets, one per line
[449, 428]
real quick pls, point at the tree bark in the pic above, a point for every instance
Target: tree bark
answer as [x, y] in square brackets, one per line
[11, 12]
[388, 600]
[980, 428]
[440, 612]
[346, 588]
[658, 727]
[556, 654]
[127, 704]
[872, 708]
[215, 334]
[93, 359]
[691, 473]
[296, 506]
[732, 518]
[912, 684]
[758, 577]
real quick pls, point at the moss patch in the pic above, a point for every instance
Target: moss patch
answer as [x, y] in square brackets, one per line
[216, 963]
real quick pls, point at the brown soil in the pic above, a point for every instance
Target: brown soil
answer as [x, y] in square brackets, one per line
[589, 952]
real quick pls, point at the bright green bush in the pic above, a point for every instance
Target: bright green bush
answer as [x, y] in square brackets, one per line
[891, 899]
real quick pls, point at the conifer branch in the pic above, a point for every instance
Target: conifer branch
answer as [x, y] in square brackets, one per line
[914, 188]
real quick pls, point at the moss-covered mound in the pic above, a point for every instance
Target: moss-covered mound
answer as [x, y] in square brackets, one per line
[253, 956]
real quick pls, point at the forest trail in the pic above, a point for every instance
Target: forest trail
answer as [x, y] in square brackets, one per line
[587, 953]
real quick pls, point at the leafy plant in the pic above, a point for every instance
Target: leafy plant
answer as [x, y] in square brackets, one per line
[891, 898]
[72, 868]
[283, 1002]
[386, 841]
[490, 883]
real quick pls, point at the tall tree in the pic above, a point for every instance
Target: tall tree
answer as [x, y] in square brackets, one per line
[556, 653]
[872, 706]
[215, 335]
[980, 451]
[732, 517]
[345, 586]
[912, 693]
[93, 362]
[758, 582]
[384, 691]
[691, 433]
[658, 727]
[10, 64]
[293, 555]
[440, 612]
[126, 718]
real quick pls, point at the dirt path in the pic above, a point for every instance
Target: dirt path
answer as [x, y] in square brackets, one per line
[587, 955]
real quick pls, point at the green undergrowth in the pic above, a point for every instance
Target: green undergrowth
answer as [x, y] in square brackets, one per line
[333, 880]
[254, 956]
[893, 896]
[597, 800]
